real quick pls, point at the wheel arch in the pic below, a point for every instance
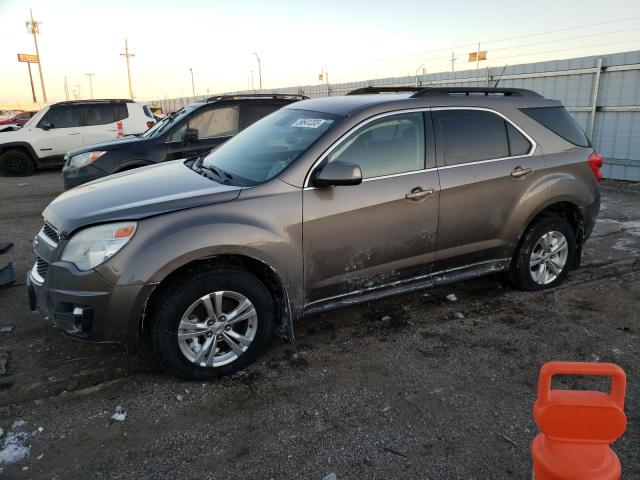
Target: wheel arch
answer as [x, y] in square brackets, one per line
[264, 272]
[24, 146]
[565, 207]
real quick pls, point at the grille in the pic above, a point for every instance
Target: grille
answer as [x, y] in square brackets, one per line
[50, 232]
[42, 267]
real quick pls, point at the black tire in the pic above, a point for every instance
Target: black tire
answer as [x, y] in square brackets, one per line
[182, 293]
[520, 270]
[16, 163]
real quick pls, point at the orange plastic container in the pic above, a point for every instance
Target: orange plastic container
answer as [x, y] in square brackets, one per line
[578, 426]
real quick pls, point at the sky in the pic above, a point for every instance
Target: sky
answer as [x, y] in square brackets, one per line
[354, 40]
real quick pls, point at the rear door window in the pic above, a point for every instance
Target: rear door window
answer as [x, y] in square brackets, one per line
[98, 115]
[390, 145]
[475, 135]
[559, 121]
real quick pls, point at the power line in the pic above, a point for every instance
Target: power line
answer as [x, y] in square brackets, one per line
[508, 38]
[565, 39]
[542, 43]
[567, 49]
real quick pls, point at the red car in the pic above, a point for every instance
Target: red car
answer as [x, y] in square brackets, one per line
[18, 119]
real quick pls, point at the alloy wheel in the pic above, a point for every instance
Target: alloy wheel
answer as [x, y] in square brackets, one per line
[548, 257]
[217, 328]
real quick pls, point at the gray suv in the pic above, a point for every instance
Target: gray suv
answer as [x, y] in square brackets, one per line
[324, 203]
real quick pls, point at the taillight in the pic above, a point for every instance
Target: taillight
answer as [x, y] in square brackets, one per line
[150, 123]
[595, 162]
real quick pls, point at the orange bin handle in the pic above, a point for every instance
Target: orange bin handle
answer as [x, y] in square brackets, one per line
[548, 370]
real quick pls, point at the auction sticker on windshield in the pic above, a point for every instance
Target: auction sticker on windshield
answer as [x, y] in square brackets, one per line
[308, 122]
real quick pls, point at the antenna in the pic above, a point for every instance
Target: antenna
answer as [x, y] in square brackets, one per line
[500, 76]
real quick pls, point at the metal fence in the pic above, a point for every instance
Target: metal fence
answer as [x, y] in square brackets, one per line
[601, 92]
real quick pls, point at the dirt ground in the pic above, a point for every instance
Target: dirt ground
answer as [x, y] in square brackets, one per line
[421, 394]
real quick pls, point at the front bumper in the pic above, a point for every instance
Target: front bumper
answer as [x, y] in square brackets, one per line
[74, 176]
[85, 305]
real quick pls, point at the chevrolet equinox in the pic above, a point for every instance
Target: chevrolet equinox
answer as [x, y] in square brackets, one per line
[324, 203]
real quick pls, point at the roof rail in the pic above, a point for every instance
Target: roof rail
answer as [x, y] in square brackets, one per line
[97, 100]
[374, 89]
[275, 96]
[507, 92]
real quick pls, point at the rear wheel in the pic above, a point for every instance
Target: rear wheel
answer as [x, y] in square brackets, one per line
[544, 256]
[16, 163]
[213, 324]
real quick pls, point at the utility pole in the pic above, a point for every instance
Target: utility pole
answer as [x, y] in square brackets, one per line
[33, 27]
[453, 61]
[127, 55]
[259, 70]
[33, 90]
[66, 88]
[417, 71]
[90, 83]
[326, 79]
[78, 91]
[478, 57]
[193, 88]
[252, 85]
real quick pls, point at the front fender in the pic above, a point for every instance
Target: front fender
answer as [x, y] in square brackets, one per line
[266, 229]
[16, 144]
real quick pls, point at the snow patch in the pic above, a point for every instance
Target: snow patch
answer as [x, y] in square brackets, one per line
[14, 446]
[120, 414]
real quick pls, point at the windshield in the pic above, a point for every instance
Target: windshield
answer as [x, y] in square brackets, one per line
[32, 120]
[270, 145]
[166, 122]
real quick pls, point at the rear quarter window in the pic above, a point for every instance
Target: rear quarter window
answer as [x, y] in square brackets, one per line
[121, 111]
[560, 122]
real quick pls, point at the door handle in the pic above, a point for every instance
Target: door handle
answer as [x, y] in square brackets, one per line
[418, 193]
[520, 172]
[74, 133]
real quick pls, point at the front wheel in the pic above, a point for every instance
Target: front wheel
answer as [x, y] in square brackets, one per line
[15, 163]
[544, 256]
[213, 324]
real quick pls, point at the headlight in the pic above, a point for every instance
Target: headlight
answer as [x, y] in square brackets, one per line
[90, 247]
[85, 158]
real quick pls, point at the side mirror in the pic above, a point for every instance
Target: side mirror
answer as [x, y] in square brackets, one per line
[190, 135]
[338, 173]
[47, 126]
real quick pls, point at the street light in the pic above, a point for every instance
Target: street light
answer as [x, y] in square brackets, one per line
[193, 88]
[259, 70]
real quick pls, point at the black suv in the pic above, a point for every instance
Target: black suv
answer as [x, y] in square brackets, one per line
[191, 131]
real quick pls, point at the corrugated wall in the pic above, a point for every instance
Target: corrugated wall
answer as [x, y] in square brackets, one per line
[613, 81]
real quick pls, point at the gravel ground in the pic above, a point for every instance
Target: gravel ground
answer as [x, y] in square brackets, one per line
[398, 388]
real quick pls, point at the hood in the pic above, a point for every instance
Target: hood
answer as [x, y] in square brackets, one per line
[115, 144]
[135, 194]
[11, 134]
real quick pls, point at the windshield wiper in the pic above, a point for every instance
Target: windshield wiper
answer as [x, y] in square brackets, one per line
[198, 167]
